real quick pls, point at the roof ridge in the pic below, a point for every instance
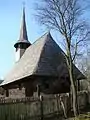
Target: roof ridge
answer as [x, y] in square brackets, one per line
[40, 37]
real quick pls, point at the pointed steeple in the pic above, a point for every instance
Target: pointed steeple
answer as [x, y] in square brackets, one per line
[23, 31]
[22, 44]
[23, 38]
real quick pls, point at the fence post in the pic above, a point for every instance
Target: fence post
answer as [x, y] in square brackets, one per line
[41, 106]
[7, 93]
[63, 107]
[58, 106]
[38, 90]
[87, 98]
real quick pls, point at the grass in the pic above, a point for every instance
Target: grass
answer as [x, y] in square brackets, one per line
[81, 117]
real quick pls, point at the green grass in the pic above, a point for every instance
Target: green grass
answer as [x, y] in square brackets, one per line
[82, 117]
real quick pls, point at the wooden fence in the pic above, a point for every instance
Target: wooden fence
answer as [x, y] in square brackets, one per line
[36, 108]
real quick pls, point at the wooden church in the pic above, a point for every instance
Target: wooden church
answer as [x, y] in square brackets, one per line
[40, 66]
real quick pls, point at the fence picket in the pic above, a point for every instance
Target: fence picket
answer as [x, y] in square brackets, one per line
[35, 108]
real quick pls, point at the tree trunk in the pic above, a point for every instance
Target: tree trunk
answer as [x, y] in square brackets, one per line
[74, 95]
[73, 87]
[72, 79]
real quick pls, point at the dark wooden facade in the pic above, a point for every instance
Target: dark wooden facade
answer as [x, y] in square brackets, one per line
[46, 85]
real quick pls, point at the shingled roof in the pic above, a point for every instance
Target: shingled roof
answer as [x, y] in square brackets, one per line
[43, 58]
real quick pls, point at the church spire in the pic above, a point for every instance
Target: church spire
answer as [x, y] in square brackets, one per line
[23, 38]
[23, 30]
[22, 44]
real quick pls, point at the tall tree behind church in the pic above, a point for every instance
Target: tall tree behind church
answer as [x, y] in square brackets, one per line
[65, 16]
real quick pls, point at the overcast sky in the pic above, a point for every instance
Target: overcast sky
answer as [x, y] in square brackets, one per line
[10, 19]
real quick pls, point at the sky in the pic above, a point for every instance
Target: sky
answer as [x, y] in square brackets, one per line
[10, 20]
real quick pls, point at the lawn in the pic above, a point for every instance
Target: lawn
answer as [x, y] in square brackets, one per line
[81, 117]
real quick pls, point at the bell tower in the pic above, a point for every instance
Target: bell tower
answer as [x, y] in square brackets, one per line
[22, 44]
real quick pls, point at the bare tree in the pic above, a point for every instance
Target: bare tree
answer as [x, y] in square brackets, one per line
[84, 63]
[65, 16]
